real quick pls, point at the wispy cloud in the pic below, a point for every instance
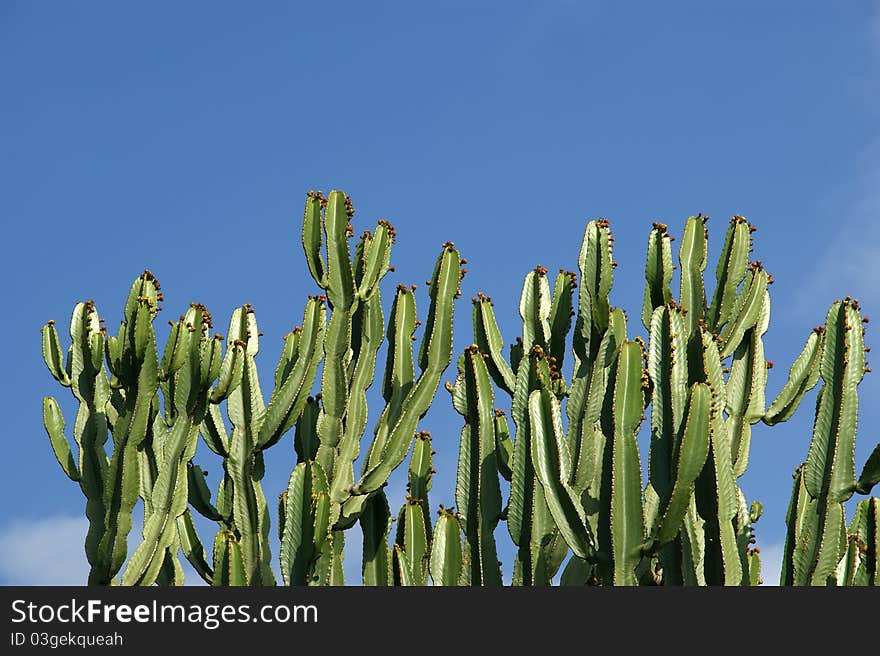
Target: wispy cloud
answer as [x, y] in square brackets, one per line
[771, 563]
[874, 24]
[849, 263]
[47, 551]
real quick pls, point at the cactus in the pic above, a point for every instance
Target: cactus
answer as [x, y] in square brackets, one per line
[446, 560]
[121, 403]
[819, 550]
[859, 566]
[477, 491]
[375, 521]
[351, 281]
[170, 446]
[151, 450]
[397, 423]
[704, 377]
[352, 285]
[572, 458]
[412, 546]
[303, 523]
[241, 508]
[155, 411]
[414, 520]
[546, 320]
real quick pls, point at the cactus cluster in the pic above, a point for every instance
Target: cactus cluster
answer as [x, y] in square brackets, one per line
[572, 459]
[577, 485]
[819, 548]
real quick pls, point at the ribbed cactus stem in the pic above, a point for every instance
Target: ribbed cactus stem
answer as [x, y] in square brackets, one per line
[692, 261]
[306, 515]
[446, 560]
[169, 494]
[863, 546]
[870, 475]
[375, 521]
[802, 377]
[658, 272]
[745, 389]
[434, 356]
[816, 548]
[477, 494]
[730, 272]
[412, 546]
[414, 532]
[627, 524]
[830, 468]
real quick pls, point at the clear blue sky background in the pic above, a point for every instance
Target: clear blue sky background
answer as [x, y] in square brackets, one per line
[182, 137]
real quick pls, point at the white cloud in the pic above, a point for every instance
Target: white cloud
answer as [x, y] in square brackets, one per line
[771, 563]
[51, 551]
[47, 551]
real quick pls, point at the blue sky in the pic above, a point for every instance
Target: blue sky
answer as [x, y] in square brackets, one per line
[182, 137]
